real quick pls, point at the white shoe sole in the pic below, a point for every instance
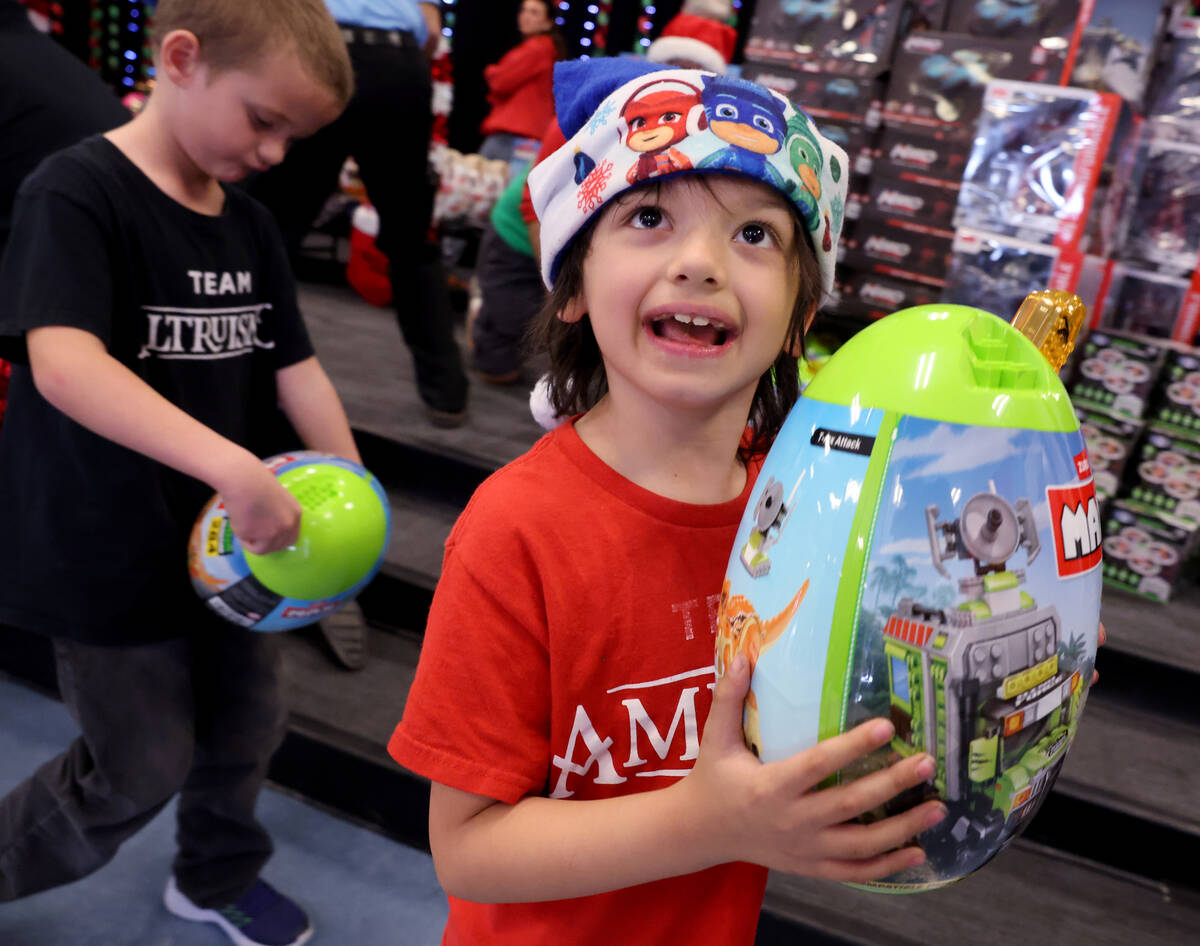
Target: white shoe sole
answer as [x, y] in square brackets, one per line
[177, 903]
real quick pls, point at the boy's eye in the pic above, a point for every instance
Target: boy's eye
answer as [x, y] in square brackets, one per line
[755, 233]
[259, 122]
[647, 218]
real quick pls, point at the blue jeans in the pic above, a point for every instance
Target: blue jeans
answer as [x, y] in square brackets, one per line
[199, 716]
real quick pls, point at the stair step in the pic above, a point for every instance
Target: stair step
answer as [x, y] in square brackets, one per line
[1027, 894]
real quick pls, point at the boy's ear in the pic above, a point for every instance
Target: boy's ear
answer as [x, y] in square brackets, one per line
[575, 310]
[795, 347]
[180, 57]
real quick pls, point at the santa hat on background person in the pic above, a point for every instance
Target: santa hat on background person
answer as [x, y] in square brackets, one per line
[700, 33]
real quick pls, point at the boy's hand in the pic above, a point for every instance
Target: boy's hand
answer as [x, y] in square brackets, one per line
[264, 516]
[773, 815]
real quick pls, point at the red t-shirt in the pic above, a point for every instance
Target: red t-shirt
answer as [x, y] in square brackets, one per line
[569, 654]
[521, 89]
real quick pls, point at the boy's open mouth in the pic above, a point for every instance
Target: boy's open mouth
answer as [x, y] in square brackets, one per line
[690, 329]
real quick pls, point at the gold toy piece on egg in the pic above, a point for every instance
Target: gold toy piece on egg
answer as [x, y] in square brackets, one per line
[1051, 319]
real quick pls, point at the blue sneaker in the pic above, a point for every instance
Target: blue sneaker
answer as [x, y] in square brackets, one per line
[262, 917]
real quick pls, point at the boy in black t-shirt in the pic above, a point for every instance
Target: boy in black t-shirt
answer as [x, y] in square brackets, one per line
[152, 321]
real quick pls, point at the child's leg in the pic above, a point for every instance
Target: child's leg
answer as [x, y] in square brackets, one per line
[134, 709]
[240, 722]
[512, 295]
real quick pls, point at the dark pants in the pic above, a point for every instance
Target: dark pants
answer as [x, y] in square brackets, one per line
[386, 127]
[512, 290]
[199, 717]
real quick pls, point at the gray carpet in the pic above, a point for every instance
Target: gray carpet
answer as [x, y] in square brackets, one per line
[358, 887]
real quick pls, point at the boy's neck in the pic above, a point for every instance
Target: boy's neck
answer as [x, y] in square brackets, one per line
[148, 143]
[691, 459]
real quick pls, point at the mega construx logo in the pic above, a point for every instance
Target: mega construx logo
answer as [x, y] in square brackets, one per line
[1075, 518]
[897, 200]
[909, 154]
[882, 246]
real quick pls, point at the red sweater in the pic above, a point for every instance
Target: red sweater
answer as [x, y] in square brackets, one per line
[521, 89]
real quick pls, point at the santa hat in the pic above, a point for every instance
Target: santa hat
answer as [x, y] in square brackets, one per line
[690, 38]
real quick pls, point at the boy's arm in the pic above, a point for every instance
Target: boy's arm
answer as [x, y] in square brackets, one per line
[309, 401]
[74, 372]
[730, 807]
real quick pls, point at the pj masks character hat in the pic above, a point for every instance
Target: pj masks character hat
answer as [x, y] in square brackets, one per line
[628, 122]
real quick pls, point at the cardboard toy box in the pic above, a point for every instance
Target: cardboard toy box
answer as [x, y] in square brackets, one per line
[903, 151]
[1116, 372]
[1143, 553]
[938, 79]
[872, 295]
[851, 37]
[907, 200]
[825, 96]
[1176, 403]
[1165, 477]
[880, 247]
[1110, 440]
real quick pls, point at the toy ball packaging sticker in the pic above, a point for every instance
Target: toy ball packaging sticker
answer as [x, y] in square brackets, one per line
[781, 595]
[976, 631]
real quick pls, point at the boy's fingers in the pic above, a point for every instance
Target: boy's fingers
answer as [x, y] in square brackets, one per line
[724, 724]
[860, 842]
[835, 805]
[809, 768]
[876, 868]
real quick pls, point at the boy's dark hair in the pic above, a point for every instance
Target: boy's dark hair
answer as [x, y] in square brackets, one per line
[576, 375]
[233, 34]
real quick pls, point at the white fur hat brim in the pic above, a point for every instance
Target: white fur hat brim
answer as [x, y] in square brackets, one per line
[686, 49]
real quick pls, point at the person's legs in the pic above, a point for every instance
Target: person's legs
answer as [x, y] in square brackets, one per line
[134, 709]
[512, 291]
[296, 189]
[240, 722]
[390, 127]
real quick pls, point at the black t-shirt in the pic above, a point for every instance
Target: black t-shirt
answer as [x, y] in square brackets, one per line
[203, 309]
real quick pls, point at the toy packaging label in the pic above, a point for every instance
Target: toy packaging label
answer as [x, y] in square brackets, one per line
[951, 589]
[1167, 481]
[1143, 553]
[938, 79]
[1116, 373]
[1110, 440]
[852, 37]
[1177, 401]
[1035, 160]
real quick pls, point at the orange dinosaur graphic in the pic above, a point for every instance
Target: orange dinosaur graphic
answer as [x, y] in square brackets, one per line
[741, 631]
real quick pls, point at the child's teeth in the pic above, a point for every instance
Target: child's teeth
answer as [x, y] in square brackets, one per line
[699, 320]
[680, 317]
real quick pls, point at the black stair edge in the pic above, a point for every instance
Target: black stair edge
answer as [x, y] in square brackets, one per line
[1148, 683]
[398, 599]
[1118, 839]
[380, 794]
[427, 469]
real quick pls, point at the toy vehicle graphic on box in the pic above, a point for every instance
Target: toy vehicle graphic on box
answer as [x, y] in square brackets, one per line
[979, 685]
[923, 544]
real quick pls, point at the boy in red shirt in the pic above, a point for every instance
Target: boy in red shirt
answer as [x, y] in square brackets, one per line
[567, 669]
